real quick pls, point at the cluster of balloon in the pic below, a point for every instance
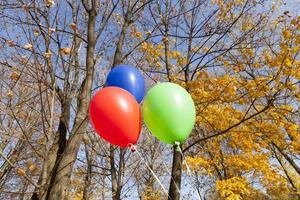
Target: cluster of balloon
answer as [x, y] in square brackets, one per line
[168, 109]
[114, 111]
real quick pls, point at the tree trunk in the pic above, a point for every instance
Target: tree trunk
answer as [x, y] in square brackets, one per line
[118, 53]
[116, 181]
[175, 183]
[87, 181]
[54, 154]
[61, 176]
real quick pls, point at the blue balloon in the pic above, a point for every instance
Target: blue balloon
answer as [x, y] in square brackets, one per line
[128, 78]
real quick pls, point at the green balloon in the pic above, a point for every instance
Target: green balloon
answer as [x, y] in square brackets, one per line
[169, 112]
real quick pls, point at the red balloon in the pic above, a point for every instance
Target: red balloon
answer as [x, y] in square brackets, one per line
[116, 116]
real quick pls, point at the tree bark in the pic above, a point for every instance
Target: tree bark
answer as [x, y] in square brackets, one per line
[286, 174]
[290, 160]
[175, 183]
[116, 181]
[61, 175]
[87, 181]
[118, 53]
[54, 154]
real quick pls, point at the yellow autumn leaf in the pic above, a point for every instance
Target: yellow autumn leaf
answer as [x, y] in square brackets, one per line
[48, 54]
[286, 34]
[176, 54]
[65, 51]
[15, 75]
[226, 63]
[288, 62]
[148, 32]
[165, 39]
[9, 94]
[49, 3]
[52, 30]
[73, 26]
[30, 166]
[10, 43]
[20, 171]
[36, 32]
[28, 46]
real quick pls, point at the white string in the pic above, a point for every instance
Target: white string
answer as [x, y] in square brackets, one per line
[187, 167]
[153, 173]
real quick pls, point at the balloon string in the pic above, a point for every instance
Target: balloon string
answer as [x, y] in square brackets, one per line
[177, 188]
[187, 166]
[134, 149]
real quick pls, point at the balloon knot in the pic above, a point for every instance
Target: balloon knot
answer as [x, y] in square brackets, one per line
[132, 147]
[177, 146]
